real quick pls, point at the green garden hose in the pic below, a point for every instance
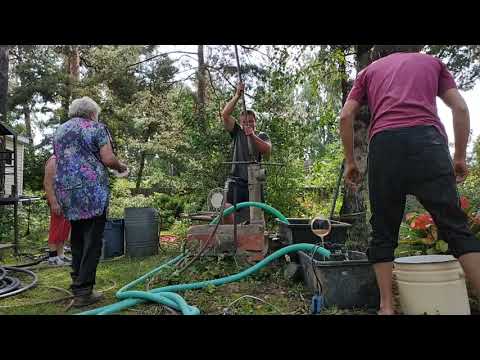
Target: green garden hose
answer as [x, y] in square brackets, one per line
[263, 206]
[167, 296]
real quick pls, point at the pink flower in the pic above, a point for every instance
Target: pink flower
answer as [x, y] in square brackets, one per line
[91, 176]
[85, 124]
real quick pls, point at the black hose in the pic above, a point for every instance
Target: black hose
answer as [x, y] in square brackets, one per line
[35, 262]
[10, 286]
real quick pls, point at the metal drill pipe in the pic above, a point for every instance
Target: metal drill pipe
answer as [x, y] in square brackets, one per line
[249, 140]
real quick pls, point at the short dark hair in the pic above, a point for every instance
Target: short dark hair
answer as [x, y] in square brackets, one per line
[249, 112]
[380, 51]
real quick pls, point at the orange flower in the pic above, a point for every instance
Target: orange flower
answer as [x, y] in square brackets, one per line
[422, 222]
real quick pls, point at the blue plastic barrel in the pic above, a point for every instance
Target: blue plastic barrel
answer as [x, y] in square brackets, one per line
[113, 239]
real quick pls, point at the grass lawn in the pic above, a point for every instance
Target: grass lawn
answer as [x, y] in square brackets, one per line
[266, 292]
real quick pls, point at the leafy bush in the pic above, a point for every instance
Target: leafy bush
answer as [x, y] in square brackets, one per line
[423, 231]
[180, 228]
[169, 207]
[33, 224]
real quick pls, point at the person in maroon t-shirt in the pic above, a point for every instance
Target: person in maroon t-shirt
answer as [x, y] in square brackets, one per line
[408, 154]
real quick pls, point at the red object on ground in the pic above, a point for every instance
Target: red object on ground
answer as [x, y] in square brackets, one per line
[59, 229]
[168, 238]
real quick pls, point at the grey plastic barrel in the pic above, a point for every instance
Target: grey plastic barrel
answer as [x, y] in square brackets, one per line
[141, 232]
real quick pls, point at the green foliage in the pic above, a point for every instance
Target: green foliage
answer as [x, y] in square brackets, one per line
[325, 169]
[462, 60]
[180, 228]
[175, 157]
[169, 207]
[423, 234]
[33, 224]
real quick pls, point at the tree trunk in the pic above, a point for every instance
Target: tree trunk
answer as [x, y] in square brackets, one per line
[72, 69]
[140, 170]
[28, 122]
[201, 83]
[3, 107]
[355, 202]
[3, 82]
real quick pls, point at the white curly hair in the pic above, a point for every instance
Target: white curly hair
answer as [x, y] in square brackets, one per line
[84, 107]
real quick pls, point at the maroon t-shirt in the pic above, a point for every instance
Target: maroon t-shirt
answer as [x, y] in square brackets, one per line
[401, 91]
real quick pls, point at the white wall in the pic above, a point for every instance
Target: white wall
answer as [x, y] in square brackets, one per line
[9, 178]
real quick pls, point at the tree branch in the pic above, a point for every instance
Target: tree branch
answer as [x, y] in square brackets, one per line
[226, 79]
[87, 64]
[255, 49]
[214, 92]
[162, 54]
[169, 85]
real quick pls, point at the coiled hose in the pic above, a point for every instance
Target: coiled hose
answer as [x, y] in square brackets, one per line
[10, 285]
[167, 296]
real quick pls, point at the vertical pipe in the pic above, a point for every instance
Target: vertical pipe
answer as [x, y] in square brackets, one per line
[15, 194]
[342, 167]
[250, 147]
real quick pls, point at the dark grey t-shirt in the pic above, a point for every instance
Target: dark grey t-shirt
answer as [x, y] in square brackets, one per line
[240, 151]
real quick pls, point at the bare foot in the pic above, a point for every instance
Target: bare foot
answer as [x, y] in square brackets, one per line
[386, 312]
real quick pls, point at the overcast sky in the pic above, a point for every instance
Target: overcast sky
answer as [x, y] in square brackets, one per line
[472, 99]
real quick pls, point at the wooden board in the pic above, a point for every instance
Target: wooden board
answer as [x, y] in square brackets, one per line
[6, 246]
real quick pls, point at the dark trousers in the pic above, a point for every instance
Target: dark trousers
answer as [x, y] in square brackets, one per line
[415, 161]
[86, 245]
[237, 193]
[242, 195]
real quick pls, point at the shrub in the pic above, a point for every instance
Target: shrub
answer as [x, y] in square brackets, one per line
[423, 231]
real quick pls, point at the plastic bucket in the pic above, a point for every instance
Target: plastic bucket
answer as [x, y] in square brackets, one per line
[431, 284]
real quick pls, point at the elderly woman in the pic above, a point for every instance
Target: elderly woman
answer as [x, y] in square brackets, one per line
[83, 151]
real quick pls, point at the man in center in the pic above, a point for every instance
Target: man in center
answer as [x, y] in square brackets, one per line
[261, 147]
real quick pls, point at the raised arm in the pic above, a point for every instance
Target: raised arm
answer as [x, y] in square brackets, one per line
[228, 120]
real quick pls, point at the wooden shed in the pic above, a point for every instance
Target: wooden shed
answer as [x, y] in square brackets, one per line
[9, 160]
[11, 176]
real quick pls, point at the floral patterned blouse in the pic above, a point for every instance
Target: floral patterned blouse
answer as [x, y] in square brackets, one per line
[81, 181]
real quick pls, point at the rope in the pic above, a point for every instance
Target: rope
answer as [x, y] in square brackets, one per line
[70, 295]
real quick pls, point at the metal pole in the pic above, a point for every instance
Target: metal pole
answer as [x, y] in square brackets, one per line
[235, 216]
[342, 167]
[250, 147]
[15, 194]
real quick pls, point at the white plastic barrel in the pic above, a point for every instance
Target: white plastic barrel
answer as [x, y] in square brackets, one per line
[431, 284]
